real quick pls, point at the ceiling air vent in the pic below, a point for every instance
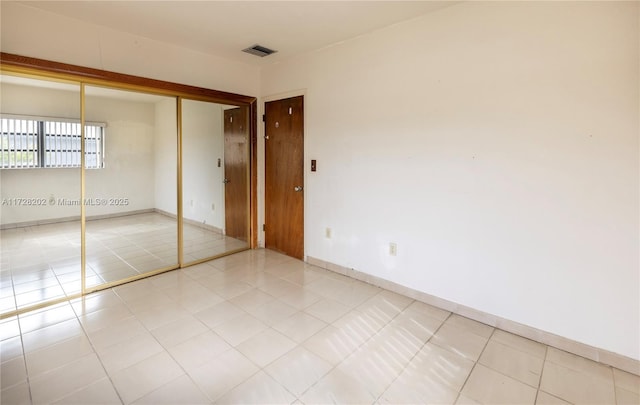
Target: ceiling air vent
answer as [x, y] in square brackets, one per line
[259, 50]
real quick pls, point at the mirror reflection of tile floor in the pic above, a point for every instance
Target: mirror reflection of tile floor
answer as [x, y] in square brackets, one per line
[260, 327]
[40, 263]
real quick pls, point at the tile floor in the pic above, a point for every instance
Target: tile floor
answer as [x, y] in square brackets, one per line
[259, 327]
[40, 263]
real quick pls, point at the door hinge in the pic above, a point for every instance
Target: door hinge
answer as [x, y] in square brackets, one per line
[264, 117]
[264, 227]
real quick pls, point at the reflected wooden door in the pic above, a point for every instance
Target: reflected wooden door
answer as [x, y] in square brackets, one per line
[284, 166]
[235, 173]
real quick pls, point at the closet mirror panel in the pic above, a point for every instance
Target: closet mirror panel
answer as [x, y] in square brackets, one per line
[215, 179]
[40, 251]
[130, 184]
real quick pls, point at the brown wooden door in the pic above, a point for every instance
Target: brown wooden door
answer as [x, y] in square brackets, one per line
[284, 195]
[235, 173]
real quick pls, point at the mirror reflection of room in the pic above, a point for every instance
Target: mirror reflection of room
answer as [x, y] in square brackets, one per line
[215, 179]
[131, 226]
[131, 186]
[39, 191]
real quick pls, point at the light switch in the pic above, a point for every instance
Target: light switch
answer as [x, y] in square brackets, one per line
[313, 165]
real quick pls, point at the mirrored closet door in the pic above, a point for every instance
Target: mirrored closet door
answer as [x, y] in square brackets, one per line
[130, 184]
[102, 184]
[40, 158]
[215, 179]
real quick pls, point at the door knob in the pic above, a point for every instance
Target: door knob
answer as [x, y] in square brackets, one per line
[225, 181]
[297, 189]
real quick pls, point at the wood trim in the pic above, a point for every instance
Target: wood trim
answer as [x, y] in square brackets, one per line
[253, 203]
[91, 75]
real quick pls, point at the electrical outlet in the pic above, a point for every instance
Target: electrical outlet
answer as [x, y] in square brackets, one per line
[393, 249]
[213, 207]
[327, 233]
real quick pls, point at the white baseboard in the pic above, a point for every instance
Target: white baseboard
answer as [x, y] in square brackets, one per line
[590, 352]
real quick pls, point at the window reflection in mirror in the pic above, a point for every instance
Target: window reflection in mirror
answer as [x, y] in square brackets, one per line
[39, 191]
[215, 170]
[131, 214]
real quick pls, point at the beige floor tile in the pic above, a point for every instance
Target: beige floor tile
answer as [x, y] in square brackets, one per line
[13, 372]
[102, 318]
[575, 386]
[161, 316]
[258, 389]
[514, 363]
[178, 331]
[266, 346]
[95, 302]
[223, 373]
[237, 330]
[278, 287]
[417, 327]
[465, 400]
[487, 386]
[9, 328]
[373, 366]
[46, 317]
[459, 341]
[406, 390]
[624, 397]
[548, 399]
[50, 335]
[298, 370]
[52, 386]
[219, 313]
[252, 299]
[519, 343]
[332, 344]
[579, 364]
[99, 392]
[272, 312]
[117, 332]
[327, 310]
[198, 350]
[356, 293]
[338, 388]
[57, 355]
[232, 289]
[470, 325]
[433, 363]
[16, 395]
[627, 381]
[303, 278]
[359, 326]
[10, 348]
[125, 354]
[300, 299]
[146, 376]
[327, 287]
[179, 391]
[300, 326]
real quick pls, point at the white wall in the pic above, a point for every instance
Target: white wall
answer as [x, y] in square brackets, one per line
[36, 33]
[129, 154]
[202, 146]
[497, 144]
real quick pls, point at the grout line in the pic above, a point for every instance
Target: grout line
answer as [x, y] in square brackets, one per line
[544, 362]
[475, 364]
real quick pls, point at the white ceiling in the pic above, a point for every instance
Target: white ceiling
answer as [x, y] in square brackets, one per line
[224, 28]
